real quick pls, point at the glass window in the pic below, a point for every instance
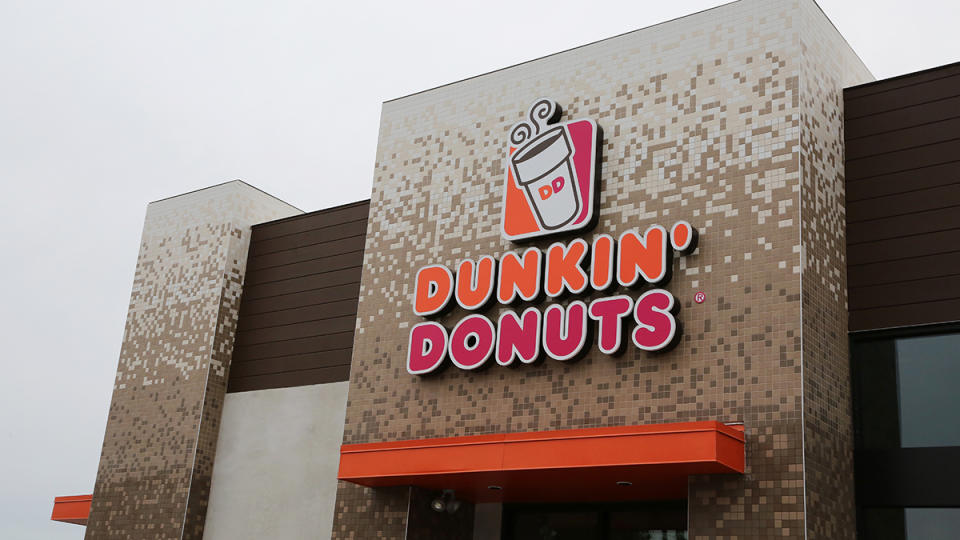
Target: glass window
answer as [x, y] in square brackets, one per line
[911, 523]
[557, 525]
[932, 523]
[906, 391]
[928, 372]
[612, 521]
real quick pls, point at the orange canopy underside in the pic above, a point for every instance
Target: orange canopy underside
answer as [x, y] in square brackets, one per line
[73, 509]
[554, 466]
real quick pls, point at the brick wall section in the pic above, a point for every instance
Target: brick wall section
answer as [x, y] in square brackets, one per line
[828, 420]
[703, 121]
[154, 475]
[363, 512]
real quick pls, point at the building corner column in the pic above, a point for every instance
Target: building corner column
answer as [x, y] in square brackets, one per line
[155, 467]
[828, 65]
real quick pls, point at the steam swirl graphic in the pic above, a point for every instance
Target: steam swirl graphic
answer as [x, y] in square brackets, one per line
[542, 113]
[520, 133]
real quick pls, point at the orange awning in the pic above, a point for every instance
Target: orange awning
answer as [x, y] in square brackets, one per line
[72, 509]
[594, 464]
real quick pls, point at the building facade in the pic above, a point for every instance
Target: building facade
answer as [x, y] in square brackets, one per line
[693, 281]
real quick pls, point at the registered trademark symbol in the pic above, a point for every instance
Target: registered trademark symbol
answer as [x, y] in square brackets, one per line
[699, 297]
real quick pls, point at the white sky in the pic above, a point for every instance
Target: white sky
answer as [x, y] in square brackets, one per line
[105, 106]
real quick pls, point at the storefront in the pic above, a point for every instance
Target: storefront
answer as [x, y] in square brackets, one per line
[694, 281]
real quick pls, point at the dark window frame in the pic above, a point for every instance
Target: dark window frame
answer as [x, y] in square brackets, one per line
[512, 510]
[899, 478]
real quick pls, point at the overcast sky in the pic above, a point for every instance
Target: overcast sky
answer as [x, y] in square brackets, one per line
[105, 106]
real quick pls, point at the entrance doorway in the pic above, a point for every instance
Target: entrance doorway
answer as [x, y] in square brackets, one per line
[611, 521]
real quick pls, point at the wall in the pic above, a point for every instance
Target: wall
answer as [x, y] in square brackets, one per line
[903, 199]
[704, 119]
[275, 472]
[903, 194]
[276, 467]
[827, 401]
[299, 305]
[154, 474]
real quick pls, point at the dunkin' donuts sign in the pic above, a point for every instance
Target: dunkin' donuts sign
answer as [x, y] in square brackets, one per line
[551, 188]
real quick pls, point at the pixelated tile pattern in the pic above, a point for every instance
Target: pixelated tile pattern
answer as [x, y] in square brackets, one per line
[828, 421]
[766, 501]
[158, 449]
[702, 120]
[364, 513]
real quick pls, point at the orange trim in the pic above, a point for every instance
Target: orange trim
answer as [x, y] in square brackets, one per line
[72, 509]
[577, 464]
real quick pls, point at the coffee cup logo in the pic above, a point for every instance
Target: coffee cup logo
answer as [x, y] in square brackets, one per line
[551, 174]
